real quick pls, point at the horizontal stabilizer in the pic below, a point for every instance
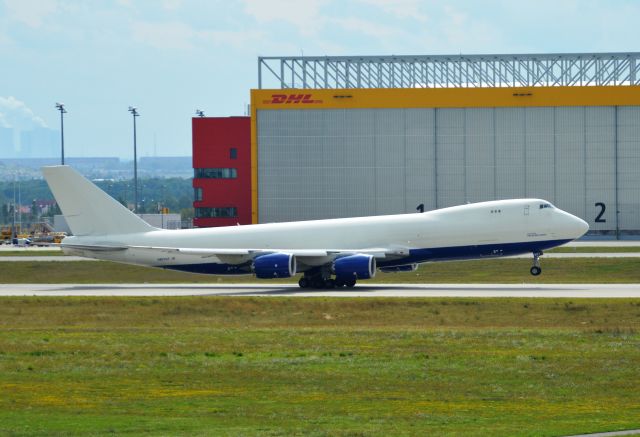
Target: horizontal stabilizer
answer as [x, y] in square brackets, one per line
[95, 247]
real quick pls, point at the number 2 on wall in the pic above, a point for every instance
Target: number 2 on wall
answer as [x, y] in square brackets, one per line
[603, 208]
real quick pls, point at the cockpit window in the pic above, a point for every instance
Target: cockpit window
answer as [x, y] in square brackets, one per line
[545, 205]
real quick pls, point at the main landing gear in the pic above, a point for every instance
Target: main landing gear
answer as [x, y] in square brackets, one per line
[535, 269]
[322, 280]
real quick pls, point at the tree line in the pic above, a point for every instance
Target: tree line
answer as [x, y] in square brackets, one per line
[176, 194]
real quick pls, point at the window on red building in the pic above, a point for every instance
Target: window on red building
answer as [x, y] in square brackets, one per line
[215, 173]
[230, 211]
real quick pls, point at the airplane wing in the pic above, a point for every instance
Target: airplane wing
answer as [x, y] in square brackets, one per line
[300, 253]
[311, 257]
[379, 252]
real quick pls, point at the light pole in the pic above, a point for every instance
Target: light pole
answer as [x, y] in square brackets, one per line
[13, 225]
[134, 113]
[60, 107]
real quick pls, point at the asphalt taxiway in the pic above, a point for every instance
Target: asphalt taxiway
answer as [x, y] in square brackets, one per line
[386, 290]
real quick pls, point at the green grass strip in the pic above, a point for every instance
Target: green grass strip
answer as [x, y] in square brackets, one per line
[318, 366]
[31, 253]
[595, 249]
[506, 271]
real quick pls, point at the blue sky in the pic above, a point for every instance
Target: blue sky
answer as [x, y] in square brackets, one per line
[173, 56]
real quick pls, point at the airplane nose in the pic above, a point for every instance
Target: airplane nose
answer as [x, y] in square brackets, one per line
[584, 226]
[580, 226]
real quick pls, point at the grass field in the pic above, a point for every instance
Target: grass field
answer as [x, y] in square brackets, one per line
[578, 270]
[31, 253]
[318, 367]
[595, 249]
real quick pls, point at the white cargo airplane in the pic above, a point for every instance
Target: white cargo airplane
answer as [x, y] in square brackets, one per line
[347, 249]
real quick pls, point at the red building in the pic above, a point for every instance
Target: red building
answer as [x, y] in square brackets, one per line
[222, 171]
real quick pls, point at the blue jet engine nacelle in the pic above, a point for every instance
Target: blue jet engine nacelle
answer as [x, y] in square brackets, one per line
[275, 265]
[355, 267]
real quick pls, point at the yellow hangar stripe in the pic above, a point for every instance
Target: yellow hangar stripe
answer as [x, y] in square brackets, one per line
[445, 97]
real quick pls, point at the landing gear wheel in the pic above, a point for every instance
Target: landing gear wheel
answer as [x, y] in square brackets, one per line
[317, 283]
[329, 283]
[303, 282]
[536, 270]
[339, 283]
[350, 283]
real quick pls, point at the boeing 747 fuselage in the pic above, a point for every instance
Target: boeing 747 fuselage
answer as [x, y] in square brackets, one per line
[328, 253]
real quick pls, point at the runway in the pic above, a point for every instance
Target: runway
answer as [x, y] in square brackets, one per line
[287, 290]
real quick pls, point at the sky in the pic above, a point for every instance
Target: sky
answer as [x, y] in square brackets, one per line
[171, 57]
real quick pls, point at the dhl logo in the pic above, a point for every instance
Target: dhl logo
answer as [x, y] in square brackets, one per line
[287, 99]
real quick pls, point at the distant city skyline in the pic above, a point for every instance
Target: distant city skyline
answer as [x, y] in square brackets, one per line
[39, 142]
[103, 167]
[171, 57]
[43, 142]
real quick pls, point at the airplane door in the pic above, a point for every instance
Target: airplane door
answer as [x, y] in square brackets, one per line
[526, 210]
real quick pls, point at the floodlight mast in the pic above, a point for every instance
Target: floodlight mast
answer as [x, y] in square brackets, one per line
[60, 107]
[134, 112]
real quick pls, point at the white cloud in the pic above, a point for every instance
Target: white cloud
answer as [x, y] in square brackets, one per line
[231, 38]
[4, 39]
[367, 28]
[15, 113]
[400, 8]
[172, 35]
[171, 5]
[30, 12]
[466, 34]
[329, 48]
[304, 15]
[180, 36]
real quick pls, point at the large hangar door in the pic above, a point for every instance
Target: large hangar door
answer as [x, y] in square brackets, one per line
[539, 153]
[510, 153]
[600, 155]
[570, 160]
[450, 149]
[389, 161]
[480, 155]
[345, 177]
[293, 165]
[420, 159]
[629, 167]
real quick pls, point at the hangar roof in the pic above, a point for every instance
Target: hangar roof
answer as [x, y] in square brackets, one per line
[449, 71]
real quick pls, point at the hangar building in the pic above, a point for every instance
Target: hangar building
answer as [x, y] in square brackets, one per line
[351, 136]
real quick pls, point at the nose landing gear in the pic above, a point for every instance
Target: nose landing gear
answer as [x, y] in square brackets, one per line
[535, 269]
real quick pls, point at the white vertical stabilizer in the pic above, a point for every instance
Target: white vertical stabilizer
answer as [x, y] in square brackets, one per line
[87, 209]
